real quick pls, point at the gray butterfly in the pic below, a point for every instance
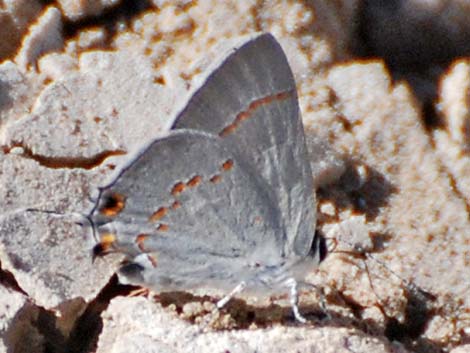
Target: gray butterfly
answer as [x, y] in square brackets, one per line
[225, 199]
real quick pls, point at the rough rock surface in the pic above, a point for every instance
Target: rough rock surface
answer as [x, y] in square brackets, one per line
[15, 18]
[392, 189]
[126, 326]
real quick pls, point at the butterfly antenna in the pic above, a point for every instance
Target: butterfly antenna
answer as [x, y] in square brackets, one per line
[407, 283]
[15, 211]
[76, 215]
[321, 295]
[359, 250]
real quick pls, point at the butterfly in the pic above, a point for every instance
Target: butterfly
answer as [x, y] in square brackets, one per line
[225, 198]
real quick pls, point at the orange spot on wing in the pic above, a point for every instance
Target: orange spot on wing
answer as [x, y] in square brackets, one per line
[227, 130]
[194, 181]
[246, 114]
[177, 188]
[141, 237]
[140, 241]
[163, 227]
[227, 165]
[243, 116]
[175, 205]
[215, 179]
[158, 214]
[112, 205]
[160, 80]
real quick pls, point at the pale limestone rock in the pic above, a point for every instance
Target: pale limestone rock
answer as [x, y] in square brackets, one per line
[16, 93]
[142, 326]
[327, 209]
[372, 123]
[162, 3]
[461, 349]
[455, 103]
[55, 66]
[49, 256]
[414, 204]
[453, 142]
[352, 233]
[92, 38]
[112, 103]
[76, 10]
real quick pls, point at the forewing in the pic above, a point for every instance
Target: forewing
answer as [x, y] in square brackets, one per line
[194, 202]
[250, 101]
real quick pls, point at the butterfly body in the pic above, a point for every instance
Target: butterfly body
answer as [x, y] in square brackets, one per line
[226, 196]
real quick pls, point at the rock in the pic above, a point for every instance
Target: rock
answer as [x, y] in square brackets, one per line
[138, 325]
[45, 36]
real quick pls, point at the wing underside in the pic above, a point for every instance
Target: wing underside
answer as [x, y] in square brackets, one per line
[250, 101]
[190, 200]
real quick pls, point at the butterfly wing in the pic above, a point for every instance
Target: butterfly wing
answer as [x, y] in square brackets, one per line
[250, 102]
[195, 209]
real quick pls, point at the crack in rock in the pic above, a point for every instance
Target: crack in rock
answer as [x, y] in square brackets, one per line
[63, 162]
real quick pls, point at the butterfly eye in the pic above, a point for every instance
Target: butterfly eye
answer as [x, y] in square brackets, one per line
[112, 204]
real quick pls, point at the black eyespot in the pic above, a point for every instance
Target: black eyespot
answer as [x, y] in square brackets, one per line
[132, 271]
[112, 204]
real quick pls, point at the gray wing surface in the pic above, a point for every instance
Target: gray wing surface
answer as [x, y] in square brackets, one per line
[192, 203]
[250, 102]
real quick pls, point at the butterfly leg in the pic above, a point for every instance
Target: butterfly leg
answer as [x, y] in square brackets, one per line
[222, 302]
[238, 289]
[294, 300]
